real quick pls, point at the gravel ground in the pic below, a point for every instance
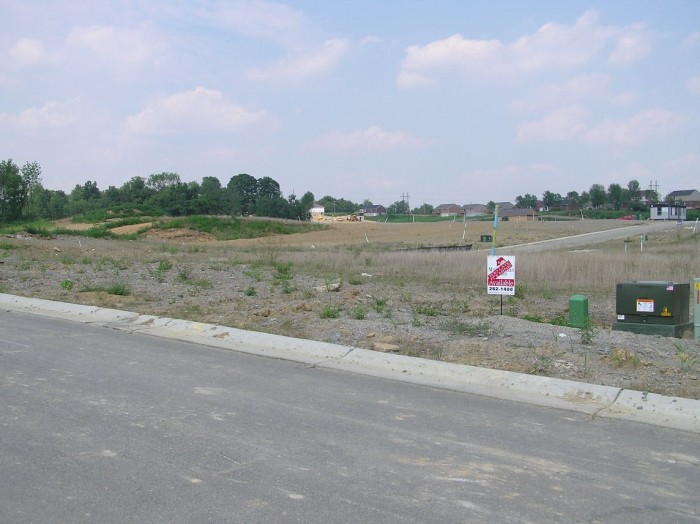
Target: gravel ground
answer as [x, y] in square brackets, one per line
[184, 278]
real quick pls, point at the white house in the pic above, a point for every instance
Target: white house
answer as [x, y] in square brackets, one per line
[317, 211]
[663, 211]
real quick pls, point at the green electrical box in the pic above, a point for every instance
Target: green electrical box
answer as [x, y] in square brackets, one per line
[653, 308]
[578, 311]
[486, 238]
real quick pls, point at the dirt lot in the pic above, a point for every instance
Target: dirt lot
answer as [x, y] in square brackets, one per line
[288, 285]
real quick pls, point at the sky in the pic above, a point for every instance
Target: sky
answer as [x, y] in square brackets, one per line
[437, 101]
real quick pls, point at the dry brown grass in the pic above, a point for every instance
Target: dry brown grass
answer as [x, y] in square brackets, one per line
[672, 256]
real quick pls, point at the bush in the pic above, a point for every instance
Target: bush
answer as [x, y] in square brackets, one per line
[330, 311]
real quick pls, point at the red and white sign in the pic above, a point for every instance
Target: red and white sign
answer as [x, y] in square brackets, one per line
[500, 275]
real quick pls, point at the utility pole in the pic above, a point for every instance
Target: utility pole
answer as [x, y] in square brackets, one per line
[404, 198]
[654, 186]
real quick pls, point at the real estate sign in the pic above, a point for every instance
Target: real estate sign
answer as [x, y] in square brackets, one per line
[500, 275]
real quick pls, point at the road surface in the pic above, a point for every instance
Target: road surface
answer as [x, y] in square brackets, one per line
[98, 425]
[596, 237]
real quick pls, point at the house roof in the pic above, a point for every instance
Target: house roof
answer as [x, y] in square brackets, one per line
[518, 212]
[683, 192]
[446, 206]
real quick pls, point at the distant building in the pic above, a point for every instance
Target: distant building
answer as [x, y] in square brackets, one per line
[448, 210]
[318, 212]
[690, 197]
[473, 210]
[516, 214]
[504, 205]
[373, 211]
[663, 211]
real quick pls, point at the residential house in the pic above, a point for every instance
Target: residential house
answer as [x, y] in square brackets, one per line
[663, 211]
[448, 210]
[373, 211]
[473, 210]
[690, 197]
[504, 205]
[318, 212]
[518, 214]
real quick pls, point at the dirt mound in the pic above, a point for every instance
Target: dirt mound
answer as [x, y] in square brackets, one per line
[130, 229]
[181, 235]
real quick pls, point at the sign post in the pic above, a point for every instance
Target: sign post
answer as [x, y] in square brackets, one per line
[495, 230]
[500, 276]
[696, 308]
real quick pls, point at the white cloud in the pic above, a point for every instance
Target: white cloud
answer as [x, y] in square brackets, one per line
[557, 126]
[370, 39]
[552, 46]
[272, 21]
[689, 162]
[199, 110]
[692, 40]
[693, 85]
[303, 65]
[51, 115]
[566, 93]
[636, 130]
[27, 51]
[115, 45]
[633, 45]
[371, 139]
[453, 52]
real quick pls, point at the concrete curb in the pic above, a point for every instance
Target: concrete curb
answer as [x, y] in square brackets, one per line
[602, 401]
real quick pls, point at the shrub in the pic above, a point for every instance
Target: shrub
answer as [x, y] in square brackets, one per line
[119, 288]
[330, 311]
[359, 313]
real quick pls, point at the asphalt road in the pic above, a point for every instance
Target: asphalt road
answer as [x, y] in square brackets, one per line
[597, 237]
[98, 425]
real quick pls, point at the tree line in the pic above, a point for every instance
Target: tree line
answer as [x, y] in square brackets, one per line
[23, 196]
[597, 197]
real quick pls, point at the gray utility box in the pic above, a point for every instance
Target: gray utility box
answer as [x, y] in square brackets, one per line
[653, 308]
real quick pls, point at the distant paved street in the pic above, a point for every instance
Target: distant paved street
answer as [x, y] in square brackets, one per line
[101, 426]
[598, 237]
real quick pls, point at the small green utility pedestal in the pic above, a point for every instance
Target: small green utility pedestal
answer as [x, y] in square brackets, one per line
[578, 311]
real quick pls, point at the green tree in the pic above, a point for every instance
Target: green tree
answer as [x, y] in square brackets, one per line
[159, 181]
[210, 199]
[490, 207]
[634, 191]
[51, 204]
[597, 195]
[268, 188]
[551, 200]
[300, 209]
[13, 191]
[338, 205]
[307, 201]
[400, 207]
[526, 201]
[31, 174]
[243, 192]
[615, 195]
[135, 191]
[425, 209]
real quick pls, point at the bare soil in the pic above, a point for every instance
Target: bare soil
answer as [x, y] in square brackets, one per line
[243, 284]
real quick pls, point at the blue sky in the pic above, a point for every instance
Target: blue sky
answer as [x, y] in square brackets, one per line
[446, 101]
